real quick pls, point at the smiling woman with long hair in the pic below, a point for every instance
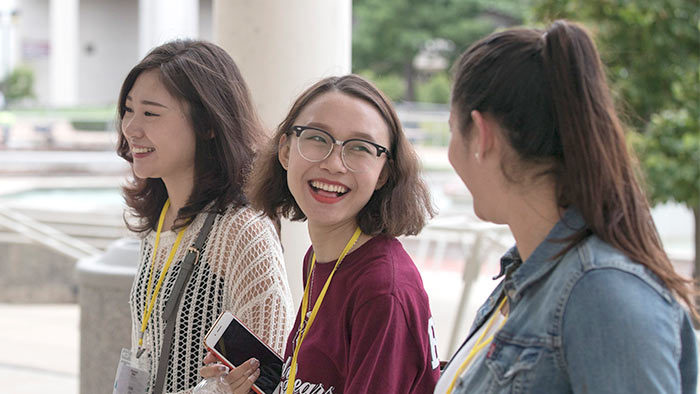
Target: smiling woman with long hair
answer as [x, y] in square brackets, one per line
[190, 132]
[589, 301]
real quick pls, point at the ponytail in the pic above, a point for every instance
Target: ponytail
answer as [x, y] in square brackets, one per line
[549, 92]
[596, 174]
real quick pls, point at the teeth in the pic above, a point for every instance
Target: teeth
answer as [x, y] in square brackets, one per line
[142, 150]
[329, 188]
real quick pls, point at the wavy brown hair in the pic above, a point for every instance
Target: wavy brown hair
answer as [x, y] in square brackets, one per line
[548, 91]
[400, 207]
[204, 78]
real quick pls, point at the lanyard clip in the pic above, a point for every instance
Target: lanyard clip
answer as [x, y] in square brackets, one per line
[192, 249]
[141, 349]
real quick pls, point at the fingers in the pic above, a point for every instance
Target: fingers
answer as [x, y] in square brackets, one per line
[212, 370]
[213, 367]
[210, 358]
[241, 379]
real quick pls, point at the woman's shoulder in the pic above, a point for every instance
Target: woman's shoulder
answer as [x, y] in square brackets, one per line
[608, 285]
[244, 235]
[386, 268]
[598, 261]
[620, 307]
[243, 219]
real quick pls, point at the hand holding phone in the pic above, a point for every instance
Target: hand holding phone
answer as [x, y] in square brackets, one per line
[234, 345]
[238, 380]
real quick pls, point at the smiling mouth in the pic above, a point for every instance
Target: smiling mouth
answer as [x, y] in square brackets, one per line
[320, 187]
[142, 150]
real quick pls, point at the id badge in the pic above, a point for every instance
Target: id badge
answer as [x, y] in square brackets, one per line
[130, 379]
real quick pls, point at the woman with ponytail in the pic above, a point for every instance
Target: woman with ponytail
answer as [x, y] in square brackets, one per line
[589, 301]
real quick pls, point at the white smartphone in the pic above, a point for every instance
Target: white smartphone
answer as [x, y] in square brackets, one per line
[233, 343]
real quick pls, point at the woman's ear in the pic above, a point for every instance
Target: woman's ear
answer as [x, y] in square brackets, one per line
[283, 148]
[484, 140]
[383, 177]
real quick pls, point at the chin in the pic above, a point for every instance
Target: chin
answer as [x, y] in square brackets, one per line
[485, 214]
[481, 216]
[145, 175]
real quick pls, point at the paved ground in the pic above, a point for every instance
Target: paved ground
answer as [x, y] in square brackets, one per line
[39, 349]
[40, 343]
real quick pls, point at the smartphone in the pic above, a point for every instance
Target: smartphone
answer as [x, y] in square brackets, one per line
[233, 343]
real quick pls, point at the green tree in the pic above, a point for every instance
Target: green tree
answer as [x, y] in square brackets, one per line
[388, 34]
[391, 84]
[652, 50]
[434, 90]
[18, 84]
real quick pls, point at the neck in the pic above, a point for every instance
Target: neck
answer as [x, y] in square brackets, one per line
[531, 216]
[179, 191]
[329, 241]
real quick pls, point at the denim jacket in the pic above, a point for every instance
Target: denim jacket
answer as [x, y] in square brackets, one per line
[591, 321]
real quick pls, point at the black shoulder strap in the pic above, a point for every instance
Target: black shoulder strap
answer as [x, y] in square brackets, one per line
[169, 314]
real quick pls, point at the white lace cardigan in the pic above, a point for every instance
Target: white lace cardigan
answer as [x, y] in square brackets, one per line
[241, 270]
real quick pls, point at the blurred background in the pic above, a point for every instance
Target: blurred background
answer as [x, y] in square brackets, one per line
[66, 259]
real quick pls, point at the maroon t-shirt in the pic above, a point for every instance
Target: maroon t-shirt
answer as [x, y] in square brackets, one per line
[374, 331]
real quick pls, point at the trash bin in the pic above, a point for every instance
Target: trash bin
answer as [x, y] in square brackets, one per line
[105, 321]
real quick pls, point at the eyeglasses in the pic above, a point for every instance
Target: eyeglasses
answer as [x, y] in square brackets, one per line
[316, 145]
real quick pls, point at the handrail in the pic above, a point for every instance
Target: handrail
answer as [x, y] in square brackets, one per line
[45, 235]
[477, 239]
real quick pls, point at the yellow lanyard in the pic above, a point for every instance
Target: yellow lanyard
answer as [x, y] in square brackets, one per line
[149, 304]
[478, 345]
[305, 324]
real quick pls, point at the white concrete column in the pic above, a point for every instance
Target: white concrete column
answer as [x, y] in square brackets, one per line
[282, 47]
[8, 37]
[63, 58]
[164, 20]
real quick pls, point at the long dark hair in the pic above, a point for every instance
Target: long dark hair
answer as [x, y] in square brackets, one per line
[400, 207]
[549, 93]
[205, 78]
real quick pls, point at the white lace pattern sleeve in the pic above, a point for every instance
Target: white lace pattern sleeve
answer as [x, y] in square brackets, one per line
[256, 290]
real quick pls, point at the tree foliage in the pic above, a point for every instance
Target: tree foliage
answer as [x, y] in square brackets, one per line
[18, 84]
[648, 46]
[388, 34]
[652, 50]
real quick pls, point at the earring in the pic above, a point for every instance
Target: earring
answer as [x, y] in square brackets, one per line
[476, 156]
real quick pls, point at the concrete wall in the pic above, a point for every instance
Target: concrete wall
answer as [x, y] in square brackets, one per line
[31, 273]
[108, 45]
[206, 29]
[279, 57]
[108, 48]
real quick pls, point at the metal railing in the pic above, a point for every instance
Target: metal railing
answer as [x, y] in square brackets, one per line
[45, 235]
[477, 240]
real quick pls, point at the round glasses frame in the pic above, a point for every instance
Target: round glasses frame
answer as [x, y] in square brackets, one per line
[298, 130]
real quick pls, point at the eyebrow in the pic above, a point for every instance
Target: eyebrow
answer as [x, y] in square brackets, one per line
[148, 102]
[355, 134]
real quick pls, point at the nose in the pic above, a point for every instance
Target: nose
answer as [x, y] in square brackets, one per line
[334, 162]
[131, 128]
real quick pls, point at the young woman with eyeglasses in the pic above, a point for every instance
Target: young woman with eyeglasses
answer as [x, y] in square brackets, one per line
[341, 162]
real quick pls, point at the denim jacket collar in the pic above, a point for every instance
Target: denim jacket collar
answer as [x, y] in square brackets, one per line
[519, 274]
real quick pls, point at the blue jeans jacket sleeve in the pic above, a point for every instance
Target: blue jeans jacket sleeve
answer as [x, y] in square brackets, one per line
[619, 336]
